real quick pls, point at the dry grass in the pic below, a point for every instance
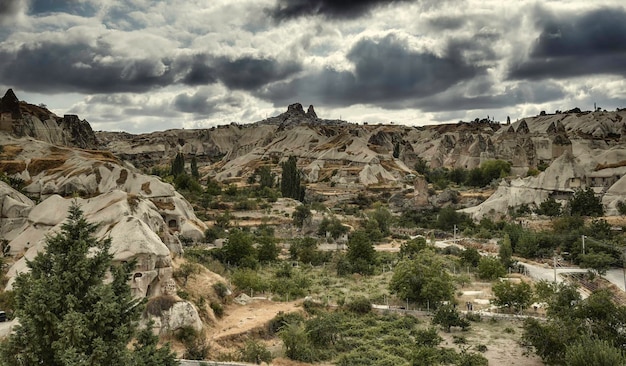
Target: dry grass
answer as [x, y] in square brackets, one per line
[10, 151]
[38, 165]
[161, 205]
[104, 156]
[146, 187]
[12, 166]
[611, 165]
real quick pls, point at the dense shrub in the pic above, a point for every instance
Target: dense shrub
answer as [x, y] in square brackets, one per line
[360, 305]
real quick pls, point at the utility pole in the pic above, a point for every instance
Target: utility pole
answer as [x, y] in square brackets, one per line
[454, 234]
[583, 237]
[554, 261]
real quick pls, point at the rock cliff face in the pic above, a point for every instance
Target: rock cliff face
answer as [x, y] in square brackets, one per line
[23, 119]
[360, 156]
[142, 215]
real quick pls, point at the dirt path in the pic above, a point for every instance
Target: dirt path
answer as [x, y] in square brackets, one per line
[240, 319]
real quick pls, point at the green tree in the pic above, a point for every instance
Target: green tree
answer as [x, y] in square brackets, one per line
[448, 217]
[585, 203]
[550, 207]
[490, 268]
[590, 352]
[422, 280]
[187, 270]
[267, 250]
[384, 219]
[447, 316]
[332, 226]
[178, 165]
[621, 208]
[68, 316]
[255, 352]
[471, 256]
[411, 248]
[471, 359]
[297, 345]
[549, 340]
[421, 166]
[290, 185]
[146, 352]
[506, 251]
[514, 296]
[238, 249]
[361, 253]
[599, 262]
[194, 168]
[300, 214]
[323, 330]
[266, 177]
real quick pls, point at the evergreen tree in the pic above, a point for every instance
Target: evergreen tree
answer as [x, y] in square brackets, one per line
[178, 165]
[290, 180]
[68, 316]
[266, 177]
[585, 203]
[194, 168]
[506, 252]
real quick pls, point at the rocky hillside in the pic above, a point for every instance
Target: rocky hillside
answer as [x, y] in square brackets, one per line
[22, 119]
[144, 217]
[580, 148]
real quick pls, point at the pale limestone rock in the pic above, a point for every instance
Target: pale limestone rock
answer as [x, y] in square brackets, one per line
[181, 314]
[14, 210]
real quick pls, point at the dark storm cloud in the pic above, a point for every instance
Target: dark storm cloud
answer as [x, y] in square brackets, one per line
[592, 43]
[243, 73]
[50, 67]
[75, 7]
[287, 9]
[447, 22]
[9, 7]
[385, 71]
[203, 103]
[81, 67]
[196, 70]
[8, 10]
[249, 73]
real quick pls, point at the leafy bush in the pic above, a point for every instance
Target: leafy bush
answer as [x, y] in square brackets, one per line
[447, 316]
[282, 319]
[255, 352]
[221, 289]
[585, 203]
[360, 305]
[247, 279]
[217, 308]
[490, 268]
[196, 345]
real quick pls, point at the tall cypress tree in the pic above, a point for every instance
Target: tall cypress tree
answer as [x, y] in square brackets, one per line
[178, 165]
[68, 316]
[194, 168]
[290, 180]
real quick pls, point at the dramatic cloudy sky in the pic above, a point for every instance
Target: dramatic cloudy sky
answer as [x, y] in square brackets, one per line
[140, 65]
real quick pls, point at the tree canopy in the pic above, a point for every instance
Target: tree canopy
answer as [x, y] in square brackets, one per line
[423, 279]
[585, 203]
[68, 316]
[290, 185]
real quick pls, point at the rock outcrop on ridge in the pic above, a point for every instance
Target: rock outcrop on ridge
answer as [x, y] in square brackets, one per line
[22, 119]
